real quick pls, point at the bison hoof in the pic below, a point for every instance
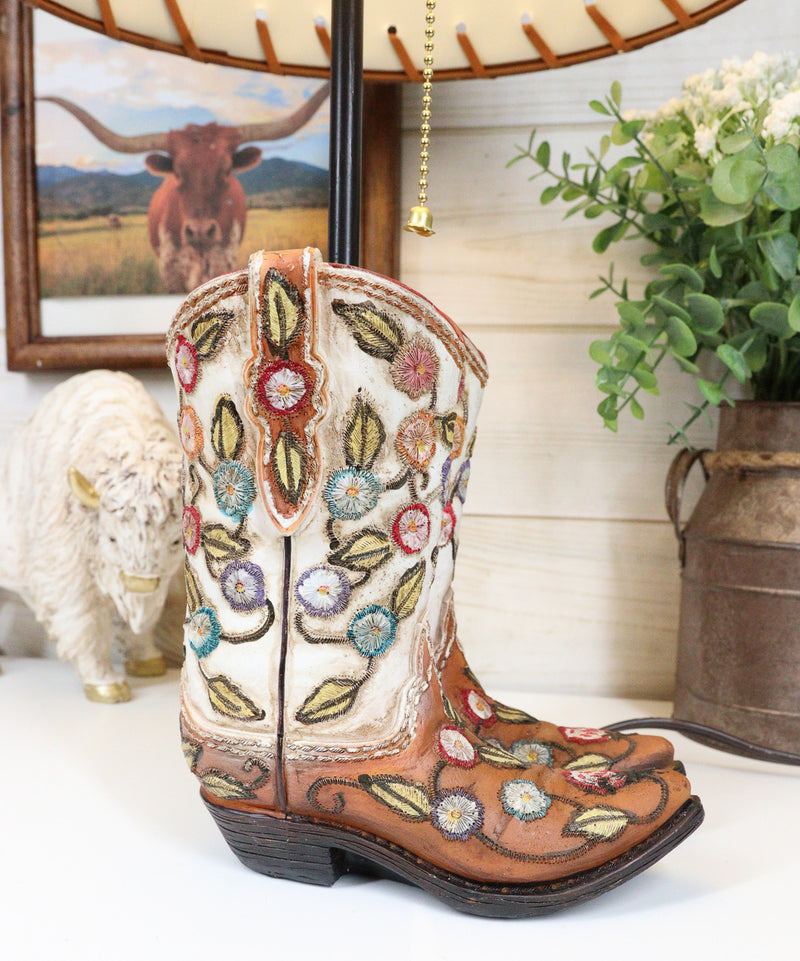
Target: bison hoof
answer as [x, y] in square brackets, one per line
[113, 693]
[152, 667]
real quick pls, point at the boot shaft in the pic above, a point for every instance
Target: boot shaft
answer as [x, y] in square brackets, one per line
[327, 416]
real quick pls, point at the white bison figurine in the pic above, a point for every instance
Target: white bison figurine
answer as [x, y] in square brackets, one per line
[90, 492]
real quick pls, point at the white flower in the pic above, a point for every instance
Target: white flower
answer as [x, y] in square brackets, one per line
[454, 747]
[524, 800]
[351, 493]
[457, 814]
[532, 752]
[323, 591]
[704, 140]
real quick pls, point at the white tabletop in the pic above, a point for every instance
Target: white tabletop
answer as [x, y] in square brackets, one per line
[107, 852]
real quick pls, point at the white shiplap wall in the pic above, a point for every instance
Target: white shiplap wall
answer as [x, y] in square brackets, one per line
[567, 574]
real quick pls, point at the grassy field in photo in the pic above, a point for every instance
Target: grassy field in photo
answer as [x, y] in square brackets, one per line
[89, 258]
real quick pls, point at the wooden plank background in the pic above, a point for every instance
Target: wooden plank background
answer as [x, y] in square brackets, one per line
[568, 577]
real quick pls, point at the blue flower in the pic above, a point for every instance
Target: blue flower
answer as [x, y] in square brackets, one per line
[242, 585]
[351, 493]
[234, 489]
[524, 800]
[202, 632]
[462, 481]
[372, 630]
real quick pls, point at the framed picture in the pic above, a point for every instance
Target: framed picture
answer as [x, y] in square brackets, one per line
[131, 176]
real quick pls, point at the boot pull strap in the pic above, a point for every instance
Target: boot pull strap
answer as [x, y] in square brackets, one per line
[673, 491]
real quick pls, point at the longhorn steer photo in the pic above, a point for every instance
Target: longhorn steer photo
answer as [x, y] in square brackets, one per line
[197, 215]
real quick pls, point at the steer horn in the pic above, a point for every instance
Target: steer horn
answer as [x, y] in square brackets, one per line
[287, 125]
[82, 489]
[138, 585]
[114, 141]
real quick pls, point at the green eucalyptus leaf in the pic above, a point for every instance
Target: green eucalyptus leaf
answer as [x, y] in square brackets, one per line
[636, 409]
[781, 251]
[793, 317]
[543, 154]
[755, 291]
[599, 352]
[714, 264]
[685, 364]
[707, 314]
[600, 108]
[736, 142]
[782, 184]
[774, 318]
[616, 92]
[735, 361]
[670, 308]
[713, 393]
[718, 214]
[630, 313]
[646, 379]
[549, 194]
[680, 337]
[683, 272]
[736, 180]
[757, 352]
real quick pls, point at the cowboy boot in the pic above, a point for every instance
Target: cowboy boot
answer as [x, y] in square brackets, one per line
[322, 412]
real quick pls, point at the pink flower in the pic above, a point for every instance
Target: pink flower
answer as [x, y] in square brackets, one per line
[415, 368]
[448, 524]
[596, 782]
[283, 387]
[186, 363]
[191, 432]
[191, 529]
[584, 735]
[416, 439]
[411, 528]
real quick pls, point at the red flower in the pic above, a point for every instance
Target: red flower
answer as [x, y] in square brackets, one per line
[411, 528]
[191, 529]
[478, 708]
[596, 782]
[283, 387]
[585, 735]
[455, 747]
[186, 363]
[448, 524]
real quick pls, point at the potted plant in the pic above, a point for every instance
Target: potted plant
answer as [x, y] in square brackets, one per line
[709, 184]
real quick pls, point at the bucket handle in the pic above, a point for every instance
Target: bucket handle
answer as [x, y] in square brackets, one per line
[673, 490]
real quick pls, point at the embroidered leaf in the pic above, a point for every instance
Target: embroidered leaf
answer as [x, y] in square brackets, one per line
[194, 599]
[498, 757]
[366, 551]
[448, 428]
[227, 430]
[191, 752]
[195, 484]
[282, 315]
[226, 698]
[409, 799]
[512, 715]
[407, 592]
[600, 824]
[375, 332]
[225, 786]
[363, 435]
[450, 712]
[221, 544]
[209, 329]
[588, 762]
[289, 463]
[471, 444]
[331, 699]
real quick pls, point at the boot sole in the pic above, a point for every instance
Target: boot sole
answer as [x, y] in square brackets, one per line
[314, 852]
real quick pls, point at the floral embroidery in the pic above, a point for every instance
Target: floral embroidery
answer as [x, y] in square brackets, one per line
[242, 584]
[191, 529]
[234, 489]
[457, 442]
[203, 631]
[411, 528]
[478, 708]
[462, 480]
[457, 815]
[524, 800]
[446, 468]
[416, 440]
[283, 387]
[597, 782]
[455, 748]
[448, 524]
[372, 630]
[352, 493]
[584, 735]
[415, 367]
[186, 363]
[323, 591]
[191, 432]
[533, 752]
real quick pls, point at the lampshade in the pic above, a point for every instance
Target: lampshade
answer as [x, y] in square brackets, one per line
[474, 38]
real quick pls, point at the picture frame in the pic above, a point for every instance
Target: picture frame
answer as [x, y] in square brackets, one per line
[31, 343]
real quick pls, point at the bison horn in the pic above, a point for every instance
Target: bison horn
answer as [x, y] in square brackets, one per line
[82, 489]
[138, 585]
[114, 141]
[286, 126]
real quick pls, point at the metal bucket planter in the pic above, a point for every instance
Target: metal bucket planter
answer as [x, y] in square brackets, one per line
[739, 641]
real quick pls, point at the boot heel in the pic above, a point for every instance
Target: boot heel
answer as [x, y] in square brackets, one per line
[276, 847]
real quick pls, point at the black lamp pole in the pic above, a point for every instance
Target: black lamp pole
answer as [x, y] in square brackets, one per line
[347, 95]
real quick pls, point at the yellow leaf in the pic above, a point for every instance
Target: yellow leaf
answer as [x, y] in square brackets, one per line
[450, 712]
[408, 799]
[227, 430]
[226, 698]
[208, 330]
[194, 599]
[225, 786]
[448, 427]
[289, 464]
[588, 762]
[375, 332]
[331, 699]
[599, 824]
[407, 592]
[512, 715]
[365, 551]
[191, 752]
[363, 435]
[219, 543]
[498, 757]
[282, 314]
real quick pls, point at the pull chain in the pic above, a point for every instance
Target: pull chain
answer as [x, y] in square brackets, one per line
[420, 219]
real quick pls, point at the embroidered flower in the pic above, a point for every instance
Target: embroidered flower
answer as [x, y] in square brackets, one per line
[191, 529]
[448, 524]
[186, 364]
[411, 528]
[191, 432]
[283, 387]
[478, 708]
[458, 437]
[462, 481]
[416, 439]
[446, 468]
[234, 489]
[584, 735]
[242, 584]
[457, 815]
[455, 748]
[533, 752]
[524, 800]
[202, 632]
[372, 630]
[323, 591]
[596, 782]
[415, 368]
[351, 493]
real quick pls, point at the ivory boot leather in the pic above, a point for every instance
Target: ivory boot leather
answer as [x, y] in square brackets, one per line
[328, 416]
